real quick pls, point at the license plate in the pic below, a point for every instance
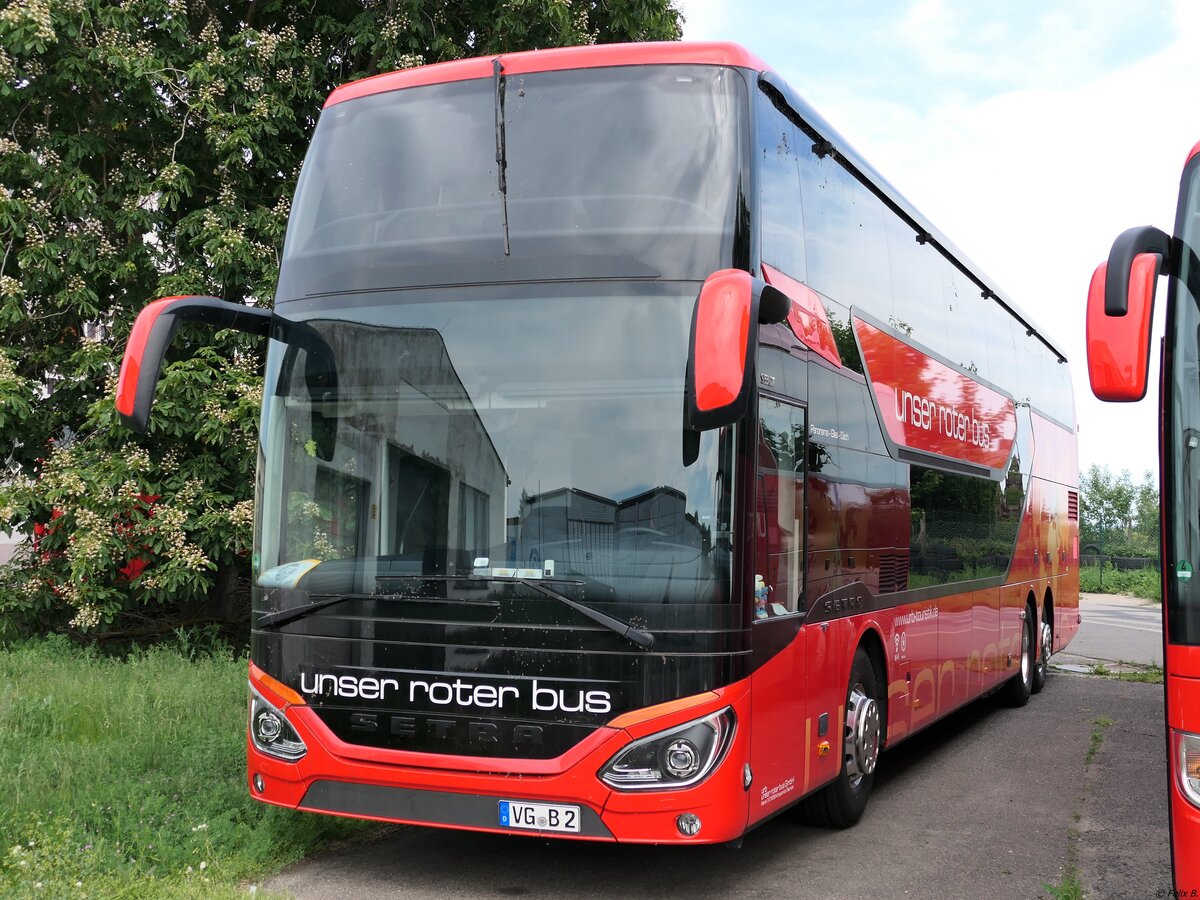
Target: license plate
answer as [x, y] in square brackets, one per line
[538, 816]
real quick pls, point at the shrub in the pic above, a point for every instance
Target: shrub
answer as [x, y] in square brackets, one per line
[1144, 583]
[144, 532]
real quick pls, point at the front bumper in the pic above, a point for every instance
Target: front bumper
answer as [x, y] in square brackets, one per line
[443, 791]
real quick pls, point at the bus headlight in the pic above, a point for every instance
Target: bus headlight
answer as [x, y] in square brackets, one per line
[271, 732]
[1187, 757]
[676, 758]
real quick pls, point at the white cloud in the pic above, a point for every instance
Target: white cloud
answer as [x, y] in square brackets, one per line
[704, 19]
[1022, 43]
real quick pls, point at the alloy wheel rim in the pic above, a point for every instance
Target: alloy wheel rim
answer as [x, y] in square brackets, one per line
[862, 735]
[1026, 655]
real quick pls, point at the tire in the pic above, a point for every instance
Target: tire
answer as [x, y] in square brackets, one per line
[1016, 691]
[1046, 647]
[842, 802]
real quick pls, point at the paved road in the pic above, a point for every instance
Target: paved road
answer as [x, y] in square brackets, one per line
[1117, 629]
[991, 803]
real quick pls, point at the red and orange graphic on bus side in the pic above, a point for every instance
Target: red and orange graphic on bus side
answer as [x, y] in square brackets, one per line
[927, 405]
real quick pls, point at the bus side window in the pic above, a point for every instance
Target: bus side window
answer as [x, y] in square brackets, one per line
[853, 425]
[966, 324]
[916, 287]
[824, 429]
[959, 529]
[782, 447]
[842, 325]
[843, 230]
[780, 149]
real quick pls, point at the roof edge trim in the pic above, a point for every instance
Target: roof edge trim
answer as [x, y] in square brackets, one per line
[709, 53]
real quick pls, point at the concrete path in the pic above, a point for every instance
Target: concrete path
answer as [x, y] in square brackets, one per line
[1115, 629]
[992, 802]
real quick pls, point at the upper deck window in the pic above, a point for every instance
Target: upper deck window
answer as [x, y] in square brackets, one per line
[633, 169]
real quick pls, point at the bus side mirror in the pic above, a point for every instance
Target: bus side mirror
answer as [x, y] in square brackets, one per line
[1120, 310]
[151, 335]
[721, 352]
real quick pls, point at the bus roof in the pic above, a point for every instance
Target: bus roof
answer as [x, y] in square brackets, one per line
[592, 57]
[711, 53]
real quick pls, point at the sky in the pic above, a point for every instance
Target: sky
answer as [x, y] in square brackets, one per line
[1030, 133]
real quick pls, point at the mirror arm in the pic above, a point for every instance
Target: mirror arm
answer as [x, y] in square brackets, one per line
[773, 304]
[1180, 251]
[152, 333]
[1126, 248]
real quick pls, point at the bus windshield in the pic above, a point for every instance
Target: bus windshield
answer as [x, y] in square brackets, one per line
[398, 184]
[494, 436]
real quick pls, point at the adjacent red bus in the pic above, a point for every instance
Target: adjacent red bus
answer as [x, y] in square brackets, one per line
[1119, 317]
[636, 463]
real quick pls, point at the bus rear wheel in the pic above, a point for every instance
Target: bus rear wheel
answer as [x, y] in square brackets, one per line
[1045, 647]
[841, 803]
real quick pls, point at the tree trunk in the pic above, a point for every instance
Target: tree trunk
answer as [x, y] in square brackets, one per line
[224, 600]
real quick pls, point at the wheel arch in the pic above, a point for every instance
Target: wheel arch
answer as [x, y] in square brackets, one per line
[1048, 611]
[871, 640]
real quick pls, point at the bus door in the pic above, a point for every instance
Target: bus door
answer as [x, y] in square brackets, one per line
[1180, 441]
[779, 716]
[829, 639]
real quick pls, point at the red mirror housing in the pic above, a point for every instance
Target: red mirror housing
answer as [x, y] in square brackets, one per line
[1119, 313]
[1118, 347]
[151, 335]
[721, 355]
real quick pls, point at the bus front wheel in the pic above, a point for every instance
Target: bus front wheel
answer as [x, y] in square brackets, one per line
[842, 802]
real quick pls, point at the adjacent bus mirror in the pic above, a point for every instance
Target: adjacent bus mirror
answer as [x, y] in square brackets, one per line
[151, 335]
[1120, 310]
[724, 338]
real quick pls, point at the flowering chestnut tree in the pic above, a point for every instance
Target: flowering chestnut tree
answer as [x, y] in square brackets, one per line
[150, 148]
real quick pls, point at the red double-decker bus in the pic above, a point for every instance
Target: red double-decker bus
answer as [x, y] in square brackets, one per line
[636, 463]
[1119, 318]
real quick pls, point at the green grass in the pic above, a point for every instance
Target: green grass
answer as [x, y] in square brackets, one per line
[1097, 738]
[1144, 583]
[126, 778]
[1146, 675]
[1069, 888]
[1143, 674]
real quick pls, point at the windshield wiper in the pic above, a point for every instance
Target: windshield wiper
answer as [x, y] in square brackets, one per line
[617, 626]
[501, 152]
[285, 616]
[612, 623]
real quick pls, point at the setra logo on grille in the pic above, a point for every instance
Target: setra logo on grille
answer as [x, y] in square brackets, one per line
[512, 734]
